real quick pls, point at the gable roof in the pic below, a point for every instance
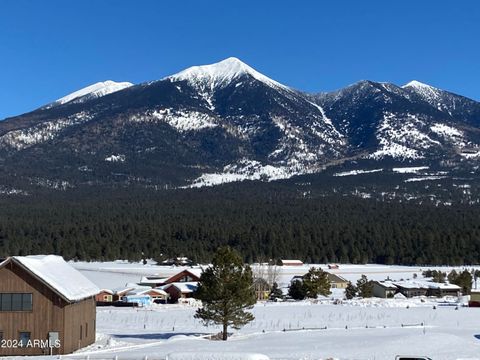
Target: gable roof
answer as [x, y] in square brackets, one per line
[194, 274]
[56, 274]
[184, 287]
[335, 278]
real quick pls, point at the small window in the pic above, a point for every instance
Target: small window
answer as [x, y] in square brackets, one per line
[27, 302]
[81, 332]
[24, 338]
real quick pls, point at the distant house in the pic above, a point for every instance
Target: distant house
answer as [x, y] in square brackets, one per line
[180, 290]
[105, 295]
[333, 266]
[119, 293]
[291, 262]
[441, 289]
[384, 289]
[411, 288]
[336, 281]
[44, 299]
[474, 298]
[178, 261]
[158, 296]
[262, 288]
[187, 275]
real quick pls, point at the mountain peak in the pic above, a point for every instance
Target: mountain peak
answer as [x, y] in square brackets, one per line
[221, 74]
[418, 85]
[96, 90]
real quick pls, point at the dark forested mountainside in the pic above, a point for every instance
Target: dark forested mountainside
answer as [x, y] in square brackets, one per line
[261, 220]
[227, 122]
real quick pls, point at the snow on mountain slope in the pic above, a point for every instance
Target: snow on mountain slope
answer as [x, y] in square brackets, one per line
[43, 132]
[245, 169]
[181, 120]
[401, 137]
[221, 74]
[90, 92]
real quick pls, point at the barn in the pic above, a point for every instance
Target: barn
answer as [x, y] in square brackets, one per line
[46, 306]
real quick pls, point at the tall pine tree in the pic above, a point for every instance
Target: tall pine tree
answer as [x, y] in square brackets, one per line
[226, 291]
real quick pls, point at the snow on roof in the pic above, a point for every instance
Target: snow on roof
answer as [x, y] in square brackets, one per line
[152, 280]
[59, 276]
[195, 272]
[143, 291]
[386, 284]
[335, 278]
[443, 286]
[410, 284]
[107, 291]
[291, 262]
[159, 291]
[184, 287]
[123, 289]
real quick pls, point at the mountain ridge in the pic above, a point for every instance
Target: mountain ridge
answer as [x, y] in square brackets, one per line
[224, 122]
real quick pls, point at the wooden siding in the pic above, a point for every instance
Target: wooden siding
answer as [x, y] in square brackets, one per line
[50, 313]
[80, 315]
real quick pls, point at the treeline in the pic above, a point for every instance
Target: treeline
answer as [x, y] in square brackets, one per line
[260, 220]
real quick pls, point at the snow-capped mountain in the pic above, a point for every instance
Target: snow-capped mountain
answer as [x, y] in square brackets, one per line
[91, 92]
[221, 74]
[227, 122]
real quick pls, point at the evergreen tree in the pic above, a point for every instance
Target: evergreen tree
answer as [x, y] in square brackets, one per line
[365, 287]
[275, 292]
[296, 290]
[464, 280]
[316, 282]
[350, 291]
[226, 291]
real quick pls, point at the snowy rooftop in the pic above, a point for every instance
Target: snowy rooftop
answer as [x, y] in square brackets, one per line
[387, 284]
[143, 291]
[411, 284]
[152, 280]
[58, 275]
[184, 287]
[443, 286]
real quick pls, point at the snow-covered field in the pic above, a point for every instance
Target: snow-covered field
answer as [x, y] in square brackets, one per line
[357, 329]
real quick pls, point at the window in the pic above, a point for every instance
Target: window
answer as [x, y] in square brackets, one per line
[24, 338]
[27, 302]
[15, 302]
[86, 330]
[81, 333]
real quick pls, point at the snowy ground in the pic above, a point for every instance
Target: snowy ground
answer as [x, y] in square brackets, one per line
[116, 274]
[358, 329]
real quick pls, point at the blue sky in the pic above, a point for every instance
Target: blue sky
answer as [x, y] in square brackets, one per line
[50, 48]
